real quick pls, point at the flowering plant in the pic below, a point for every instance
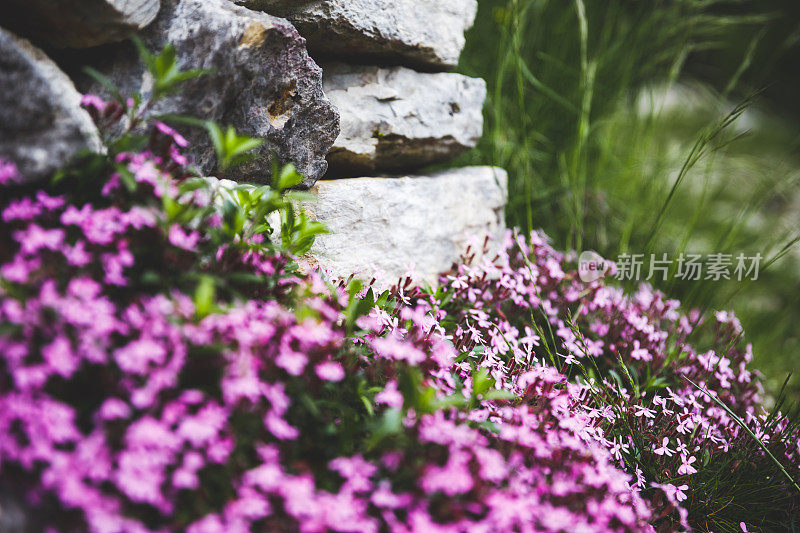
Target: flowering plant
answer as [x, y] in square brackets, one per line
[165, 367]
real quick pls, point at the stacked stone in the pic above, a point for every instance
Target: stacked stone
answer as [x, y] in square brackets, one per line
[384, 68]
[382, 104]
[260, 78]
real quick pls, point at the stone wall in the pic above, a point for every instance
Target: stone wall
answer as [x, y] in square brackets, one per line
[341, 88]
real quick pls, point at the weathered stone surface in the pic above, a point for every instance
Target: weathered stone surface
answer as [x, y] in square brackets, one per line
[41, 122]
[383, 225]
[397, 119]
[13, 515]
[78, 23]
[421, 33]
[262, 82]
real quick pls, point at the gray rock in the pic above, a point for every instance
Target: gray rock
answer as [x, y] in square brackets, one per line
[383, 225]
[398, 119]
[42, 124]
[78, 23]
[262, 82]
[14, 517]
[419, 33]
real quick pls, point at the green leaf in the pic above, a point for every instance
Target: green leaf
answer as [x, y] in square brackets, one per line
[357, 307]
[426, 401]
[391, 423]
[9, 329]
[354, 287]
[481, 382]
[456, 400]
[288, 177]
[499, 395]
[204, 296]
[191, 184]
[145, 56]
[231, 149]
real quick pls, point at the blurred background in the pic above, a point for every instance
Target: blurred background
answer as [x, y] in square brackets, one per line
[656, 127]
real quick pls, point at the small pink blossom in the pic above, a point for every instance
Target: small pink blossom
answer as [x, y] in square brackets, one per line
[686, 467]
[93, 101]
[330, 371]
[181, 239]
[664, 448]
[8, 173]
[179, 139]
[390, 396]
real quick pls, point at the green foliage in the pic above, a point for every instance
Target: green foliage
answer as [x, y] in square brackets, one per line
[579, 114]
[232, 149]
[268, 219]
[164, 69]
[357, 306]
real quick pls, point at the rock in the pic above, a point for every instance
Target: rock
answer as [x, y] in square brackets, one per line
[42, 125]
[399, 119]
[78, 23]
[384, 225]
[13, 515]
[420, 33]
[262, 82]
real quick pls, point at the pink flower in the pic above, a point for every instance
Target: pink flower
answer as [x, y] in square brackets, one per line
[8, 173]
[93, 101]
[686, 467]
[280, 428]
[59, 356]
[35, 238]
[680, 493]
[293, 362]
[664, 449]
[179, 139]
[452, 479]
[20, 269]
[640, 354]
[77, 255]
[114, 265]
[48, 202]
[390, 396]
[22, 210]
[181, 239]
[139, 217]
[393, 348]
[114, 408]
[640, 480]
[203, 427]
[330, 371]
[137, 356]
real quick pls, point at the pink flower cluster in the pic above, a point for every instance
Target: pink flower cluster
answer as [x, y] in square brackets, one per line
[646, 390]
[121, 410]
[124, 408]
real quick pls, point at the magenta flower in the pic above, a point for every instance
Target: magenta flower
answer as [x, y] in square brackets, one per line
[664, 448]
[181, 239]
[179, 139]
[94, 102]
[686, 467]
[330, 371]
